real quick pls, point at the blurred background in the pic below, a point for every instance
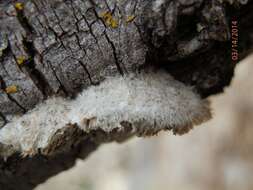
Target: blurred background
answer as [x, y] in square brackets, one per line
[217, 155]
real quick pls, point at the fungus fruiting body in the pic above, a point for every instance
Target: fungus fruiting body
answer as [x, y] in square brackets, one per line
[148, 102]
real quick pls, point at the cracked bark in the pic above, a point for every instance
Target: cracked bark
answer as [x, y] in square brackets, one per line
[60, 47]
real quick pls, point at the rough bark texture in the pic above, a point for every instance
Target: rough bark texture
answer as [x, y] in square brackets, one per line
[59, 47]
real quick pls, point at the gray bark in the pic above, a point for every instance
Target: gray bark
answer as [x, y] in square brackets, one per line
[60, 47]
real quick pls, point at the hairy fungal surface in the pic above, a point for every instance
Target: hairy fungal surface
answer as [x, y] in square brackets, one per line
[146, 103]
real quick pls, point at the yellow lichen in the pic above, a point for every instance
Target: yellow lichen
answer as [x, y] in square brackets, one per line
[19, 6]
[21, 60]
[130, 18]
[11, 89]
[109, 20]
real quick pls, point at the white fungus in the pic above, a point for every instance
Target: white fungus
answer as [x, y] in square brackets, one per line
[149, 102]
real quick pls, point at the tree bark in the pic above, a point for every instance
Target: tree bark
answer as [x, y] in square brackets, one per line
[61, 47]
